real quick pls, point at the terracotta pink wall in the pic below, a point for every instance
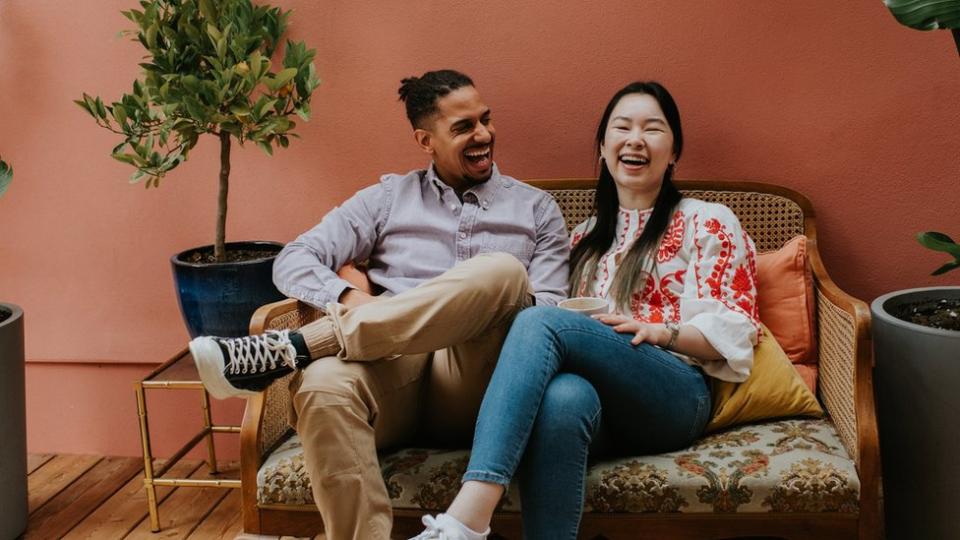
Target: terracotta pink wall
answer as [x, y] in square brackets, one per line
[833, 99]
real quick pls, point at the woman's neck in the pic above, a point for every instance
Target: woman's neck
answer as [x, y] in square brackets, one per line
[637, 200]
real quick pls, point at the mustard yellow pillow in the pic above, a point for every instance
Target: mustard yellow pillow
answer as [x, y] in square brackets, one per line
[773, 390]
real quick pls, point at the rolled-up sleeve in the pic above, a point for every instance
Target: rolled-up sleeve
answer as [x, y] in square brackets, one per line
[548, 269]
[306, 267]
[723, 305]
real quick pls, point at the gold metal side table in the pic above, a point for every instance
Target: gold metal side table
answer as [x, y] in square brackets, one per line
[177, 373]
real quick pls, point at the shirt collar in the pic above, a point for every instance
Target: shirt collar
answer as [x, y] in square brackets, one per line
[484, 192]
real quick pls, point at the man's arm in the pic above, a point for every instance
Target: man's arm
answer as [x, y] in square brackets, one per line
[306, 268]
[548, 269]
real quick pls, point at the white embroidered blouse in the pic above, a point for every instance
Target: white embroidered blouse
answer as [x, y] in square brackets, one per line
[704, 276]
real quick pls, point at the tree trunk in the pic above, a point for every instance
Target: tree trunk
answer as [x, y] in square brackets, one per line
[219, 249]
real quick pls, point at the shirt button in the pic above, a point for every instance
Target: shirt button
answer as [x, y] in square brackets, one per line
[463, 235]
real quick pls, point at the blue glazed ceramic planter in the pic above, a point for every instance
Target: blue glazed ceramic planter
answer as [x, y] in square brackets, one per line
[218, 299]
[13, 426]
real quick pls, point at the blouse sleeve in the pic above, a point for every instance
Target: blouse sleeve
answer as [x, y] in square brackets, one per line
[580, 231]
[723, 304]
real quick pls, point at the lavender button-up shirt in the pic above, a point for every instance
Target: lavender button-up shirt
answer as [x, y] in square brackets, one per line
[410, 228]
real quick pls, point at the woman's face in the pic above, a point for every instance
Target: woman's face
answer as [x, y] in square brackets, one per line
[637, 147]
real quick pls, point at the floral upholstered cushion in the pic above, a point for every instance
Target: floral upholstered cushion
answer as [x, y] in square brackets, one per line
[781, 466]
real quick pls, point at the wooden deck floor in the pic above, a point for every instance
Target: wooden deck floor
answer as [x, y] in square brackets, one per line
[102, 498]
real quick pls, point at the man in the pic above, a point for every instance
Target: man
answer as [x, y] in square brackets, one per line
[457, 250]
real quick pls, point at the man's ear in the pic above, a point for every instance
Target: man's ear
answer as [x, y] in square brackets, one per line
[424, 140]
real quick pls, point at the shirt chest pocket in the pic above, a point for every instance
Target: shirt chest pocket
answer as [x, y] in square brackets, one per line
[519, 247]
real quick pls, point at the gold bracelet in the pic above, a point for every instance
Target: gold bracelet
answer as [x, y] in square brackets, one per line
[674, 329]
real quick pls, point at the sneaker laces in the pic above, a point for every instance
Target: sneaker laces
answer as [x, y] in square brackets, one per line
[256, 354]
[432, 531]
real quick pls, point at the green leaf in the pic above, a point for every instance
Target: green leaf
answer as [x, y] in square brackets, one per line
[119, 113]
[266, 147]
[6, 176]
[101, 110]
[151, 36]
[303, 111]
[926, 14]
[280, 79]
[214, 33]
[85, 106]
[946, 268]
[208, 10]
[124, 158]
[263, 105]
[938, 241]
[240, 109]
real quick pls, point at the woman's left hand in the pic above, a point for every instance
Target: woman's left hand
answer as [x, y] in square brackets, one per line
[652, 333]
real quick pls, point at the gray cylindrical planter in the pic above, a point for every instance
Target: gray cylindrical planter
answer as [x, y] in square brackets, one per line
[13, 428]
[917, 385]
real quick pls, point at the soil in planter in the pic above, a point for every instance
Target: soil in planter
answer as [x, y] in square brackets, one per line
[205, 256]
[5, 314]
[943, 313]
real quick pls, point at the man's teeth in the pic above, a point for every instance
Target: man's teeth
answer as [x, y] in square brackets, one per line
[477, 153]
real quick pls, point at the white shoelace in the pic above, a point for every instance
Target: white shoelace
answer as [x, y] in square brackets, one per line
[433, 530]
[254, 354]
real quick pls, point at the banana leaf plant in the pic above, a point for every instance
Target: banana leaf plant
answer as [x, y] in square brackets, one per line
[207, 71]
[6, 176]
[932, 15]
[928, 15]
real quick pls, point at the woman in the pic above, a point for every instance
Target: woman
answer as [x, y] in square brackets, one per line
[680, 276]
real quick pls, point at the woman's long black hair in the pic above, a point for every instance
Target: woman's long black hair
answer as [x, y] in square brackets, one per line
[638, 262]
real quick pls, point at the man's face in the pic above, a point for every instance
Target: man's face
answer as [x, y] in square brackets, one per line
[460, 138]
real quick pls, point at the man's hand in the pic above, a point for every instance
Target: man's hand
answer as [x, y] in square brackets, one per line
[352, 298]
[652, 333]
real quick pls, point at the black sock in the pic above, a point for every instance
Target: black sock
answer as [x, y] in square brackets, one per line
[303, 353]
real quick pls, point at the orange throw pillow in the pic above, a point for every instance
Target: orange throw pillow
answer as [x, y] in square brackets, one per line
[785, 298]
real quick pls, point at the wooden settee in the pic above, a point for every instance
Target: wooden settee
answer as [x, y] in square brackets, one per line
[815, 479]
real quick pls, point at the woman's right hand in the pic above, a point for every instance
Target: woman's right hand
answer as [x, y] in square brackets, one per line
[652, 333]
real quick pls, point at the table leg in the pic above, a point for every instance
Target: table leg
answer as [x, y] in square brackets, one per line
[207, 425]
[147, 460]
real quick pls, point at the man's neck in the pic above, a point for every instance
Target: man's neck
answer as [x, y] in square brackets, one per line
[459, 185]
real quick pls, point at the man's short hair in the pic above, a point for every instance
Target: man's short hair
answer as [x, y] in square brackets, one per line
[420, 94]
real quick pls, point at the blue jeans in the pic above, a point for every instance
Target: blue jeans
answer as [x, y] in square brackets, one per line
[557, 371]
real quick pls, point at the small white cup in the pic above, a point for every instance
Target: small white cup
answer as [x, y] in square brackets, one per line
[587, 305]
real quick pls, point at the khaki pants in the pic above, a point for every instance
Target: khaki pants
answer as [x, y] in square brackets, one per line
[448, 333]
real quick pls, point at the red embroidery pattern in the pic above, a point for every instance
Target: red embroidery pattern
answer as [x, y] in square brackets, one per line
[752, 308]
[638, 302]
[720, 269]
[577, 236]
[673, 299]
[657, 302]
[743, 283]
[672, 239]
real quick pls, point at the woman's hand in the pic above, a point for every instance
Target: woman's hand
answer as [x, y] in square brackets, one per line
[652, 333]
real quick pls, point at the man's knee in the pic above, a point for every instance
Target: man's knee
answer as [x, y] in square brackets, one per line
[332, 387]
[499, 272]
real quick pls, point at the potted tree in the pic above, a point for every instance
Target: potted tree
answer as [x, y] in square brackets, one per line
[13, 427]
[208, 71]
[916, 336]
